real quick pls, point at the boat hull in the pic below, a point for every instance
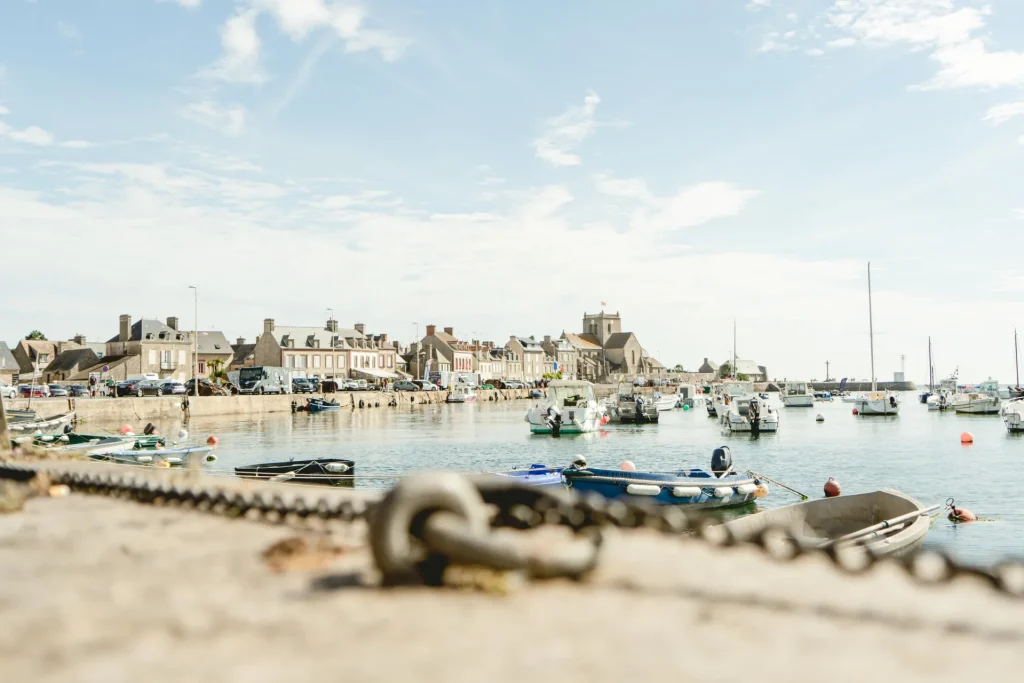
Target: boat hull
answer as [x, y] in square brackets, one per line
[980, 406]
[537, 475]
[175, 457]
[692, 492]
[1013, 416]
[798, 401]
[316, 471]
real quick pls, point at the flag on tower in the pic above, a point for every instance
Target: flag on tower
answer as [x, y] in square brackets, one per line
[603, 304]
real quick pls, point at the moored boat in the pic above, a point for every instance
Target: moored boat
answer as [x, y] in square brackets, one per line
[976, 403]
[1013, 415]
[876, 402]
[174, 457]
[35, 423]
[316, 405]
[536, 474]
[796, 395]
[886, 522]
[664, 402]
[324, 471]
[571, 408]
[461, 393]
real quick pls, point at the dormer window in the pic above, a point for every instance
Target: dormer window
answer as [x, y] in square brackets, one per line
[216, 346]
[149, 335]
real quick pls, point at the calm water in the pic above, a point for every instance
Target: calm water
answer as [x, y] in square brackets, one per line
[918, 452]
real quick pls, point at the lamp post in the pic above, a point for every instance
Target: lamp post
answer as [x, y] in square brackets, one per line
[195, 340]
[416, 340]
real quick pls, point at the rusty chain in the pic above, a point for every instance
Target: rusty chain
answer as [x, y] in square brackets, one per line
[423, 525]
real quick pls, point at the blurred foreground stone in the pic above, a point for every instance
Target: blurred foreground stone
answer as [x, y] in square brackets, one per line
[94, 589]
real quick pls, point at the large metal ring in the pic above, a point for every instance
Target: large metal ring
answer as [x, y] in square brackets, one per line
[397, 522]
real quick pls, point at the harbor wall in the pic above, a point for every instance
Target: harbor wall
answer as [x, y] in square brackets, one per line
[864, 386]
[155, 409]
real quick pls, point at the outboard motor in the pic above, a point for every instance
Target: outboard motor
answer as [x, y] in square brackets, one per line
[754, 413]
[67, 429]
[638, 406]
[150, 428]
[721, 460]
[892, 401]
[555, 421]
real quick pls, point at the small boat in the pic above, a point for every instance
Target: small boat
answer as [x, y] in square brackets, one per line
[175, 457]
[944, 398]
[740, 410]
[70, 441]
[887, 522]
[37, 423]
[693, 488]
[878, 403]
[822, 396]
[665, 402]
[316, 405]
[634, 408]
[325, 471]
[976, 403]
[461, 393]
[1013, 415]
[796, 395]
[537, 475]
[571, 408]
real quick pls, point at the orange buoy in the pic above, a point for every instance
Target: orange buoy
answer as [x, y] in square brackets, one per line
[856, 412]
[627, 466]
[966, 438]
[762, 490]
[212, 441]
[125, 429]
[605, 420]
[961, 515]
[832, 488]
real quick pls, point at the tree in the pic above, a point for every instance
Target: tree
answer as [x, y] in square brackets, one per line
[36, 334]
[725, 370]
[741, 377]
[217, 371]
[678, 368]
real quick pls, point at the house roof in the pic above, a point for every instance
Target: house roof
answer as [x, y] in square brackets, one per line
[71, 359]
[708, 366]
[530, 345]
[242, 352]
[213, 342]
[583, 341]
[7, 359]
[314, 337]
[617, 340]
[747, 367]
[110, 361]
[150, 329]
[37, 346]
[445, 337]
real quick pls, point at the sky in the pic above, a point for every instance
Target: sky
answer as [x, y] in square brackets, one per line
[503, 167]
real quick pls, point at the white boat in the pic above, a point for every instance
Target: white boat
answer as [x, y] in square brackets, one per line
[665, 402]
[992, 388]
[976, 403]
[876, 402]
[1013, 415]
[461, 393]
[734, 409]
[946, 395]
[570, 408]
[796, 395]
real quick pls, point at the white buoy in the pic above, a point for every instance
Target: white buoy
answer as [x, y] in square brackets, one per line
[819, 418]
[182, 434]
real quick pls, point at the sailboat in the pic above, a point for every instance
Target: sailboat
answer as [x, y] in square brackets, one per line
[931, 375]
[1013, 413]
[877, 402]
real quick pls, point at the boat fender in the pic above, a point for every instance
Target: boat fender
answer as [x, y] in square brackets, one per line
[172, 460]
[832, 488]
[723, 492]
[746, 489]
[125, 429]
[819, 418]
[67, 429]
[182, 434]
[376, 404]
[336, 467]
[361, 404]
[627, 466]
[144, 459]
[762, 490]
[855, 411]
[580, 462]
[63, 438]
[47, 438]
[721, 460]
[686, 491]
[643, 489]
[961, 514]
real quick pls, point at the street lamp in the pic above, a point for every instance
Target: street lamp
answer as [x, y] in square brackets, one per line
[195, 340]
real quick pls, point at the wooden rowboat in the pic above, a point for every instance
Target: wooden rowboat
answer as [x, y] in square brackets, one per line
[887, 522]
[324, 471]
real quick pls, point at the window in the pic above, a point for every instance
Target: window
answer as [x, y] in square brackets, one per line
[391, 361]
[609, 328]
[300, 361]
[329, 362]
[289, 361]
[316, 361]
[202, 367]
[152, 356]
[341, 362]
[181, 357]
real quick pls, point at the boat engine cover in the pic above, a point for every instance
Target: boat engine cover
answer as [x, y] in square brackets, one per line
[721, 460]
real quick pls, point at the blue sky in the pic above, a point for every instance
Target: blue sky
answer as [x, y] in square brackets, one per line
[501, 167]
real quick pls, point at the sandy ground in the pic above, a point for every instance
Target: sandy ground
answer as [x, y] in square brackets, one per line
[93, 589]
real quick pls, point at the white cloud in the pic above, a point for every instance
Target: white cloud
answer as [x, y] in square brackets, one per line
[78, 144]
[185, 3]
[240, 62]
[758, 5]
[4, 110]
[772, 46]
[563, 133]
[492, 180]
[627, 188]
[814, 52]
[693, 206]
[841, 42]
[33, 135]
[1001, 113]
[228, 120]
[1021, 139]
[971, 64]
[793, 17]
[69, 32]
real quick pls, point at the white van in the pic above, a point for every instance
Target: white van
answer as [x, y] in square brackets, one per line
[144, 377]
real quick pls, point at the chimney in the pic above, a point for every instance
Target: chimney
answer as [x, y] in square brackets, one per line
[383, 339]
[398, 347]
[268, 326]
[80, 339]
[172, 323]
[450, 330]
[431, 330]
[547, 338]
[332, 326]
[360, 328]
[240, 341]
[125, 328]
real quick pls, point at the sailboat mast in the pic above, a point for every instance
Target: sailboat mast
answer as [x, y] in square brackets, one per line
[1016, 356]
[871, 332]
[735, 374]
[931, 367]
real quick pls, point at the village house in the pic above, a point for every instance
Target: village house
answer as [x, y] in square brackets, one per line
[562, 354]
[8, 364]
[487, 361]
[445, 345]
[748, 368]
[213, 350]
[153, 347]
[33, 355]
[327, 352]
[243, 355]
[69, 363]
[531, 357]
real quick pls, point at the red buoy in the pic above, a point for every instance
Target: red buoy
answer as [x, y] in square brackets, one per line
[628, 466]
[855, 411]
[961, 515]
[966, 438]
[832, 488]
[212, 441]
[125, 429]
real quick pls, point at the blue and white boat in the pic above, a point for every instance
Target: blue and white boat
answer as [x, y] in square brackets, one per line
[693, 488]
[315, 405]
[174, 457]
[537, 474]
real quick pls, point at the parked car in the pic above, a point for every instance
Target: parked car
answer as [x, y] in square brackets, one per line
[57, 390]
[78, 391]
[424, 385]
[173, 387]
[148, 388]
[314, 382]
[351, 385]
[127, 387]
[512, 384]
[7, 391]
[37, 391]
[405, 385]
[301, 385]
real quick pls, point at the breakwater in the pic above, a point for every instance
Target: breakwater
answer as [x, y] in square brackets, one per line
[152, 409]
[864, 386]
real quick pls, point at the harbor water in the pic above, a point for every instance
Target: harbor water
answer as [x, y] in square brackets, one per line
[918, 452]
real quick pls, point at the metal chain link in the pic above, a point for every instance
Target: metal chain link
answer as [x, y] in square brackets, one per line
[514, 505]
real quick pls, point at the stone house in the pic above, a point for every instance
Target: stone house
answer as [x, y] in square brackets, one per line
[212, 349]
[563, 354]
[118, 368]
[708, 367]
[33, 355]
[8, 364]
[242, 355]
[531, 355]
[444, 344]
[488, 362]
[68, 364]
[588, 354]
[162, 349]
[327, 352]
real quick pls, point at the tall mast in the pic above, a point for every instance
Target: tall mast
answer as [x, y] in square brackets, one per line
[931, 368]
[735, 372]
[871, 332]
[1016, 355]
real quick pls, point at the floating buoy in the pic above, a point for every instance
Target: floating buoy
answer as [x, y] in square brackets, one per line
[961, 514]
[966, 438]
[212, 440]
[125, 429]
[182, 434]
[605, 420]
[161, 463]
[832, 488]
[855, 411]
[762, 490]
[685, 407]
[210, 457]
[627, 466]
[819, 418]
